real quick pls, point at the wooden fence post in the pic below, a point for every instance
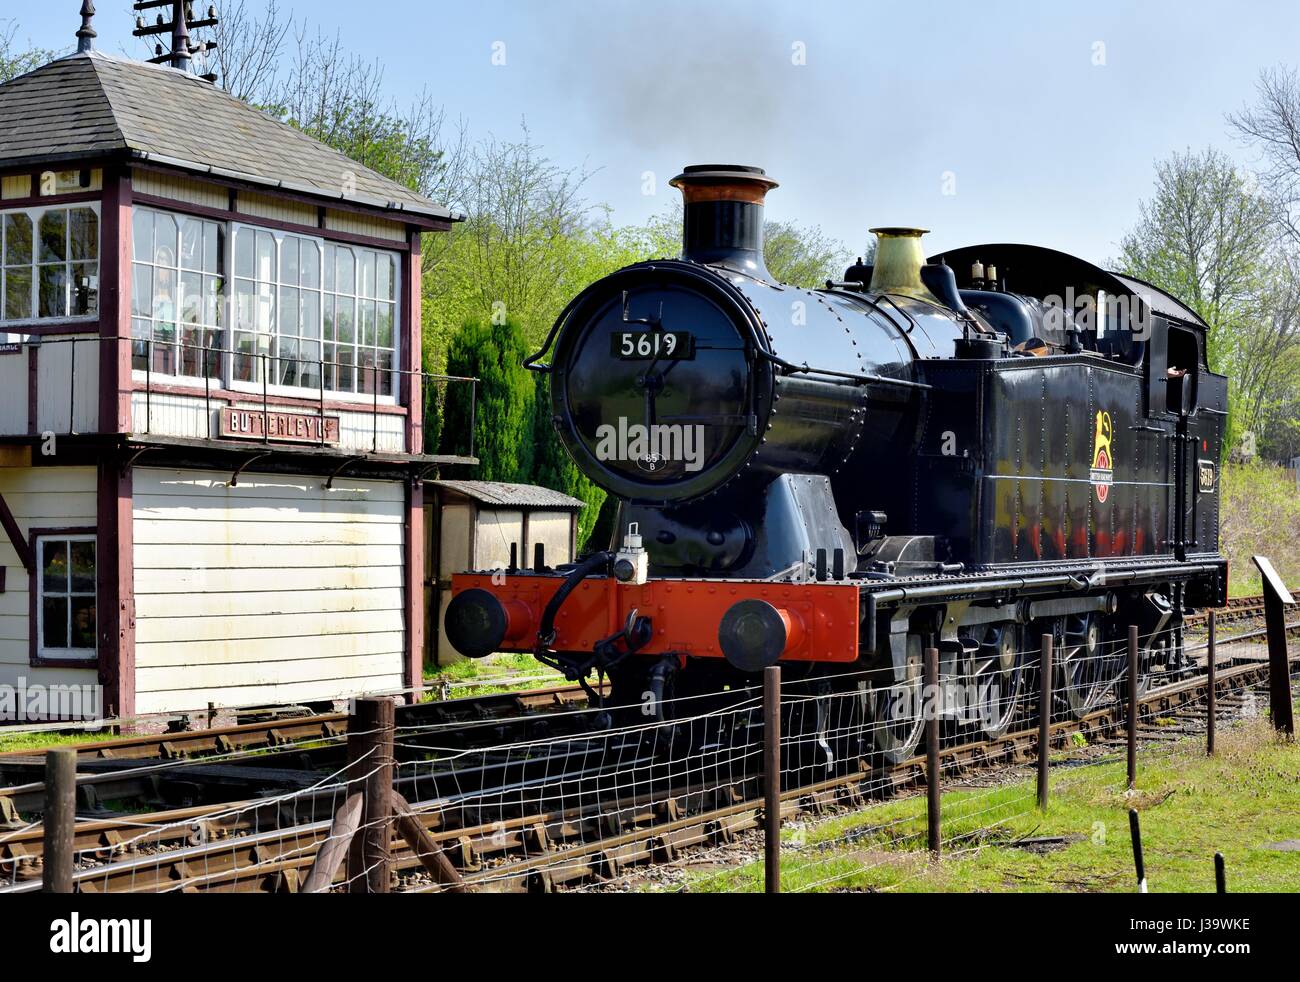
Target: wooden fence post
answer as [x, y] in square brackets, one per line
[1211, 698]
[1044, 718]
[930, 703]
[430, 855]
[335, 848]
[59, 820]
[1132, 706]
[370, 770]
[1135, 831]
[772, 779]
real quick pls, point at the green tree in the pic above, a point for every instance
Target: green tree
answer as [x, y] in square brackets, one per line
[1271, 366]
[501, 260]
[311, 81]
[1210, 240]
[1205, 237]
[503, 409]
[515, 255]
[553, 467]
[16, 59]
[802, 256]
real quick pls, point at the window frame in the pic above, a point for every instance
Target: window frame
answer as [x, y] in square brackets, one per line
[330, 297]
[180, 272]
[58, 657]
[230, 277]
[34, 214]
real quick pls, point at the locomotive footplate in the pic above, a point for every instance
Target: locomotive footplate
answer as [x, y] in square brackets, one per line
[750, 623]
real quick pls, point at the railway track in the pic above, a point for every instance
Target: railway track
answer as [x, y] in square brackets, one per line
[155, 770]
[321, 726]
[546, 842]
[1237, 609]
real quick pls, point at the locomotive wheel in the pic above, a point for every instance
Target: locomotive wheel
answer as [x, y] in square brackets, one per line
[997, 675]
[1080, 671]
[894, 715]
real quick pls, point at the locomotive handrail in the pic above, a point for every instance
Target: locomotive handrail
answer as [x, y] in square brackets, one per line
[859, 378]
[530, 362]
[874, 302]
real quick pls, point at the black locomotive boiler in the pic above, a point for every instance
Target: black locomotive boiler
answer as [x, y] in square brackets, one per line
[964, 453]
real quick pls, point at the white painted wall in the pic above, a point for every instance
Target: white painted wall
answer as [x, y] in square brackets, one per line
[274, 591]
[39, 497]
[190, 416]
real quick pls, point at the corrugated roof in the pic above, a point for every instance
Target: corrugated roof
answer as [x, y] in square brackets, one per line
[91, 104]
[501, 495]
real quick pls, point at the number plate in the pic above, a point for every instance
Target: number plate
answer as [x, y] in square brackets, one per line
[645, 345]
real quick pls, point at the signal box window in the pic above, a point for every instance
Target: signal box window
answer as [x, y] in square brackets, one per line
[49, 263]
[176, 290]
[65, 602]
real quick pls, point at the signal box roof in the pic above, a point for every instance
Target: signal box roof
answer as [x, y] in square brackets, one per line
[91, 105]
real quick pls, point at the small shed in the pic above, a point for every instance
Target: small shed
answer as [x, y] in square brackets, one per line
[472, 525]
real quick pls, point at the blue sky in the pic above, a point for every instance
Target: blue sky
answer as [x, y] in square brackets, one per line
[1044, 118]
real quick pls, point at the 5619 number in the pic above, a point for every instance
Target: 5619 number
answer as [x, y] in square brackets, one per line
[641, 345]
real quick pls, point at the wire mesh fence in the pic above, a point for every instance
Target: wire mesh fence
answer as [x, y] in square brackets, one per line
[668, 792]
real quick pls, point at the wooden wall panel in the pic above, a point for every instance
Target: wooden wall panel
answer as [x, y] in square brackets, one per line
[168, 414]
[68, 371]
[276, 209]
[552, 529]
[13, 392]
[180, 189]
[496, 530]
[274, 591]
[357, 224]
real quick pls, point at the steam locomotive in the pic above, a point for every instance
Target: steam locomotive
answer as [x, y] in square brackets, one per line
[966, 452]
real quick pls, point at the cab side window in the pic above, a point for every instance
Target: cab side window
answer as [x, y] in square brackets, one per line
[1173, 369]
[1181, 372]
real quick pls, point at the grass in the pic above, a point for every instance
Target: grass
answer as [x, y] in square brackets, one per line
[44, 739]
[491, 675]
[1191, 806]
[1260, 511]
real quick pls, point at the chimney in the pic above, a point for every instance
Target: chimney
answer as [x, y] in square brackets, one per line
[724, 216]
